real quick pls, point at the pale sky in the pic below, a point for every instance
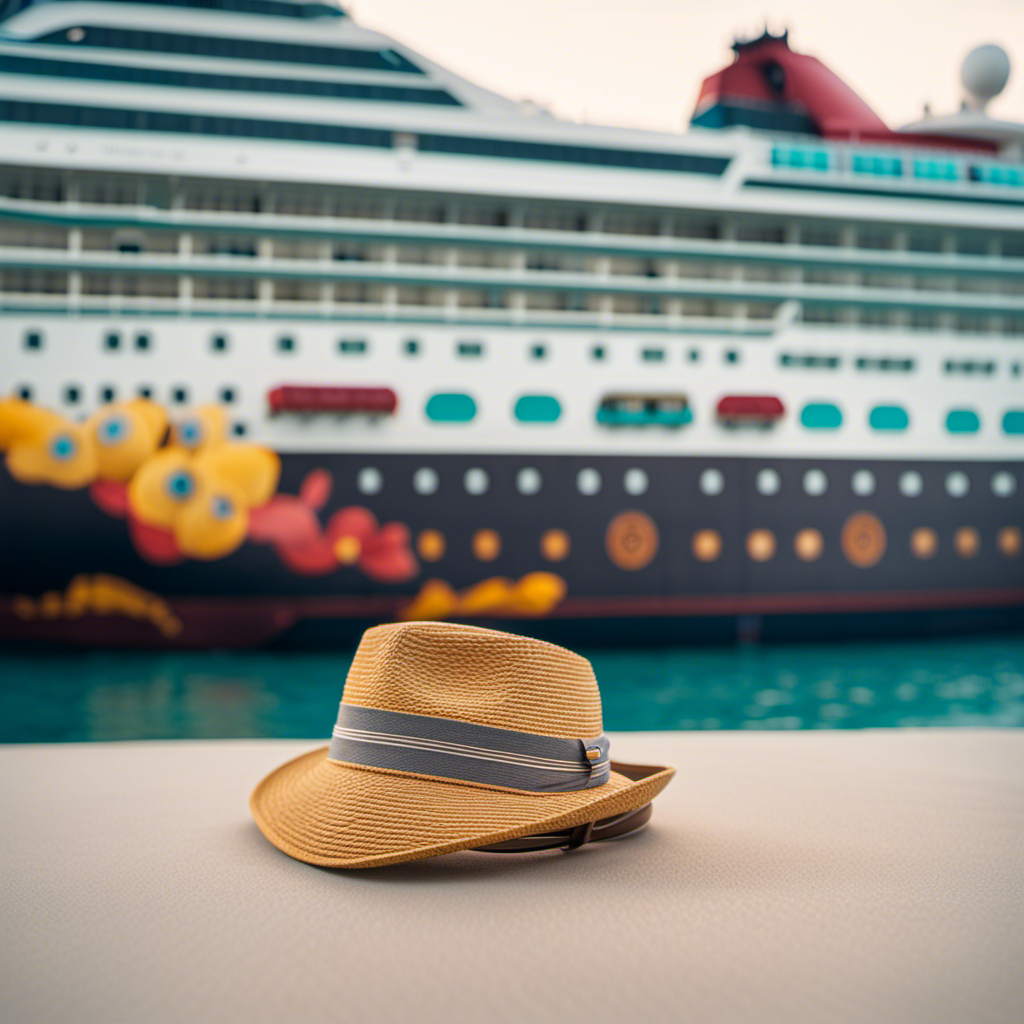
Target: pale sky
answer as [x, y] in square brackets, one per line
[640, 62]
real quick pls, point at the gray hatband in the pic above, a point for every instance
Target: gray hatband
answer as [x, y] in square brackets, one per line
[470, 753]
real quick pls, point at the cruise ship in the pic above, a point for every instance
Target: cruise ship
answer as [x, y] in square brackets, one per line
[301, 331]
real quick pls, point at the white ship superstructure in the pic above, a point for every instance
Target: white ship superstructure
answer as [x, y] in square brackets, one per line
[485, 320]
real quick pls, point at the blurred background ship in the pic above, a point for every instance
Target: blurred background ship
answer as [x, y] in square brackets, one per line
[299, 329]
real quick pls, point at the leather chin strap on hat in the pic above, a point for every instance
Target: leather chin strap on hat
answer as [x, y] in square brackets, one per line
[619, 827]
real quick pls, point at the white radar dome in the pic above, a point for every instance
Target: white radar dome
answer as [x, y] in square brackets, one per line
[984, 73]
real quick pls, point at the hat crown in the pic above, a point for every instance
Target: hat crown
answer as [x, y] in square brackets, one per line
[476, 675]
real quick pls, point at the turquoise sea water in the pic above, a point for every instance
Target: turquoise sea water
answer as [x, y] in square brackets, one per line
[110, 696]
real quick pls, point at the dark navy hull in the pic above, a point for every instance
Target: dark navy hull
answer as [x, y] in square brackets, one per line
[658, 585]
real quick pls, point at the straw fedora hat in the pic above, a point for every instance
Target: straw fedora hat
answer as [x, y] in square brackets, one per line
[453, 737]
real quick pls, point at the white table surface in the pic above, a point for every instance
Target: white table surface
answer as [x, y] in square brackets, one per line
[871, 877]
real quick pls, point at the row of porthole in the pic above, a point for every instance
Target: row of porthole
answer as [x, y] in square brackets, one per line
[112, 342]
[895, 419]
[431, 545]
[761, 545]
[809, 545]
[635, 481]
[426, 480]
[178, 395]
[862, 482]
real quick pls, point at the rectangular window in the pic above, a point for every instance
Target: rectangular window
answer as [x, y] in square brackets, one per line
[971, 323]
[38, 282]
[352, 346]
[936, 170]
[969, 366]
[997, 174]
[924, 241]
[810, 362]
[875, 238]
[885, 364]
[878, 165]
[801, 158]
[295, 290]
[28, 236]
[470, 349]
[223, 245]
[820, 315]
[653, 355]
[223, 288]
[820, 234]
[354, 292]
[771, 233]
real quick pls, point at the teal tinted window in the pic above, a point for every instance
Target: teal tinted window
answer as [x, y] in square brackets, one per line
[997, 174]
[538, 409]
[352, 346]
[962, 421]
[800, 157]
[1013, 421]
[653, 355]
[882, 166]
[889, 417]
[451, 408]
[935, 170]
[821, 416]
[644, 411]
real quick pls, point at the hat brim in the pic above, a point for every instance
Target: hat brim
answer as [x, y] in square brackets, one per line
[344, 816]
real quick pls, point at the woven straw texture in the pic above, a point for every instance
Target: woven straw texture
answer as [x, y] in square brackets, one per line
[476, 675]
[338, 815]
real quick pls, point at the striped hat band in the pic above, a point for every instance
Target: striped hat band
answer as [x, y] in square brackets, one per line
[463, 751]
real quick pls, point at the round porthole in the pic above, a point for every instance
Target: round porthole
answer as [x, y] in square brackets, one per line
[631, 540]
[863, 540]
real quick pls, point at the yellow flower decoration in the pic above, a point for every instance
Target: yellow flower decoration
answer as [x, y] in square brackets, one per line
[214, 522]
[161, 486]
[56, 452]
[204, 426]
[22, 421]
[253, 470]
[126, 435]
